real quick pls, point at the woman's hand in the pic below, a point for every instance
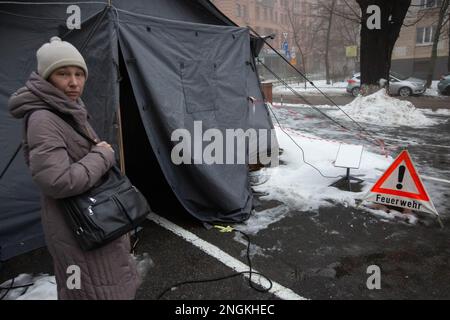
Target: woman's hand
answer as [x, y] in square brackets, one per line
[105, 145]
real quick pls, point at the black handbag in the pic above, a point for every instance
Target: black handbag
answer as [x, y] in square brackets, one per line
[105, 212]
[110, 209]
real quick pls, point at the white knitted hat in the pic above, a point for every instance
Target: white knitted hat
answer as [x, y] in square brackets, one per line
[57, 54]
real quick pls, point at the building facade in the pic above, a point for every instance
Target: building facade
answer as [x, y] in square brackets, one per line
[299, 25]
[412, 50]
[265, 16]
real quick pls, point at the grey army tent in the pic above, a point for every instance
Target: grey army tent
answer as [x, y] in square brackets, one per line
[154, 67]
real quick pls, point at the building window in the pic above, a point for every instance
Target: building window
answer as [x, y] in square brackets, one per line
[271, 14]
[430, 3]
[276, 17]
[424, 35]
[244, 11]
[258, 13]
[265, 13]
[238, 10]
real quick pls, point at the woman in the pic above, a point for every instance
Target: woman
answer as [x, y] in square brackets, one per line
[64, 164]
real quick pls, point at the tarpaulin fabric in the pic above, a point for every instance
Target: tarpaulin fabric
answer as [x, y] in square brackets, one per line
[186, 63]
[183, 73]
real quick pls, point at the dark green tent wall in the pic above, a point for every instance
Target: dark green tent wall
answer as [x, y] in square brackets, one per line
[164, 49]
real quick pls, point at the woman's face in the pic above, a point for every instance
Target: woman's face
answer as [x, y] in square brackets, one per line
[69, 80]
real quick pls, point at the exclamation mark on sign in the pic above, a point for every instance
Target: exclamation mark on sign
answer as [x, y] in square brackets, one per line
[401, 174]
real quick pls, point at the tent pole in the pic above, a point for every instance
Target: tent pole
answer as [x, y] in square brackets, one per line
[120, 141]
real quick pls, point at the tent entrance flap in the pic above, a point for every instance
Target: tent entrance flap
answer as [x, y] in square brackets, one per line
[183, 74]
[141, 165]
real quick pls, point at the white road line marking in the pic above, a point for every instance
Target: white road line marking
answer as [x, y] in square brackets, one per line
[414, 143]
[434, 179]
[437, 145]
[277, 289]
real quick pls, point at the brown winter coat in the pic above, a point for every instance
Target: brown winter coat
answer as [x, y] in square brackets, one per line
[64, 164]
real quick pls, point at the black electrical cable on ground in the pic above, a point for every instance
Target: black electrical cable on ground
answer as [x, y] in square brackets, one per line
[303, 152]
[250, 272]
[7, 289]
[12, 286]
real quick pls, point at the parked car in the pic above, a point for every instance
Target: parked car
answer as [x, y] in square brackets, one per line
[444, 85]
[398, 85]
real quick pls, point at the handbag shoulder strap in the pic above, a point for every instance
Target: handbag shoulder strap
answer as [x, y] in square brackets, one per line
[66, 119]
[81, 133]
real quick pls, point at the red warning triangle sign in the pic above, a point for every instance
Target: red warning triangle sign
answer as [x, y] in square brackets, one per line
[400, 186]
[401, 179]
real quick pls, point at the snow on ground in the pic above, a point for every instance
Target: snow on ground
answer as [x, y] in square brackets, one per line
[262, 219]
[384, 110]
[143, 264]
[433, 90]
[43, 286]
[438, 112]
[300, 187]
[334, 88]
[301, 106]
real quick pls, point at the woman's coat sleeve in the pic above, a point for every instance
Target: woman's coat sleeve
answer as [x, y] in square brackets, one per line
[51, 168]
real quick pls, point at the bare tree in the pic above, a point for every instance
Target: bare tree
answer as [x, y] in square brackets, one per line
[296, 27]
[342, 21]
[377, 44]
[327, 42]
[306, 37]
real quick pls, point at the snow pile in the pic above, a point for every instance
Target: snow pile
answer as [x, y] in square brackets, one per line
[433, 90]
[438, 112]
[43, 288]
[381, 109]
